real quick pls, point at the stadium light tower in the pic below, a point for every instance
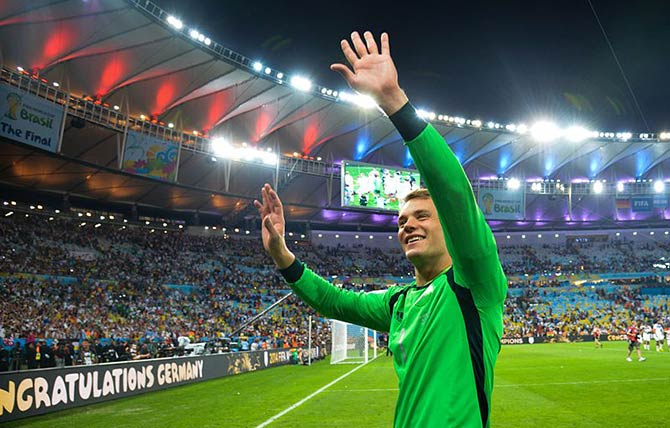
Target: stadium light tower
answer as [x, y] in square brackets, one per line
[544, 131]
[301, 83]
[577, 134]
[176, 23]
[659, 186]
[513, 184]
[598, 187]
[220, 147]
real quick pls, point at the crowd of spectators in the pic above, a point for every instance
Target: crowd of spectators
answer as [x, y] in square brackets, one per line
[66, 280]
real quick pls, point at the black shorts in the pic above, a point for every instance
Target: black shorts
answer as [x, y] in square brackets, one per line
[633, 345]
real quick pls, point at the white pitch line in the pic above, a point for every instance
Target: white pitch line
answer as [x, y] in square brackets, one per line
[583, 382]
[299, 403]
[520, 385]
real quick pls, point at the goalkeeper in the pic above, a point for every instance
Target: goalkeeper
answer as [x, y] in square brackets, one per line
[445, 327]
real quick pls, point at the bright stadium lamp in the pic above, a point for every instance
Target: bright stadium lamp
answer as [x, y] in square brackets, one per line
[577, 134]
[619, 186]
[544, 131]
[176, 23]
[301, 83]
[598, 187]
[659, 186]
[513, 184]
[258, 66]
[220, 147]
[194, 34]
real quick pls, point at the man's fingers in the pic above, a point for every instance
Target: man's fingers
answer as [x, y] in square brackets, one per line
[348, 52]
[361, 50]
[346, 73]
[386, 47]
[275, 199]
[371, 43]
[267, 223]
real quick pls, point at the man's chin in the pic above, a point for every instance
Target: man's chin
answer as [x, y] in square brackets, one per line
[413, 255]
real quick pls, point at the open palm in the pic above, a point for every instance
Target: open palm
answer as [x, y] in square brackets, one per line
[273, 225]
[374, 72]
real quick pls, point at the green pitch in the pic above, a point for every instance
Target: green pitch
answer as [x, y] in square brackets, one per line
[549, 385]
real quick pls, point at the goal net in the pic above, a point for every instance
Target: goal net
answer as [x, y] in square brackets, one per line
[352, 344]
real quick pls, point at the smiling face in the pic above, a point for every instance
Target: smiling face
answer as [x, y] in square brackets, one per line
[420, 232]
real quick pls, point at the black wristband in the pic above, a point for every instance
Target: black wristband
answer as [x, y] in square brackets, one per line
[407, 122]
[293, 273]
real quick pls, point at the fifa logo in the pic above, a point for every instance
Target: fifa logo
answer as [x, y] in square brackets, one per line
[487, 199]
[14, 103]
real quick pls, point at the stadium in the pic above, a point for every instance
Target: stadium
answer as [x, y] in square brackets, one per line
[138, 288]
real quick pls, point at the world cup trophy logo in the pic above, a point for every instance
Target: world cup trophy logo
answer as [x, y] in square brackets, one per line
[487, 199]
[13, 105]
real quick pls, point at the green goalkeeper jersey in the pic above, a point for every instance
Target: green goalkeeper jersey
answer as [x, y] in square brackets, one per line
[445, 335]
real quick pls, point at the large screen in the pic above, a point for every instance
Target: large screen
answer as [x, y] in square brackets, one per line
[376, 187]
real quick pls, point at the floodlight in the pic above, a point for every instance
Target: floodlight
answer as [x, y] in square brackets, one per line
[258, 66]
[176, 23]
[619, 186]
[544, 131]
[522, 128]
[280, 76]
[301, 83]
[477, 123]
[194, 34]
[170, 125]
[268, 70]
[659, 186]
[598, 187]
[513, 184]
[56, 84]
[116, 108]
[201, 37]
[664, 136]
[577, 134]
[208, 41]
[20, 69]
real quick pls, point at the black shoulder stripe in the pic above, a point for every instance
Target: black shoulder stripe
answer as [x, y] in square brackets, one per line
[395, 298]
[473, 328]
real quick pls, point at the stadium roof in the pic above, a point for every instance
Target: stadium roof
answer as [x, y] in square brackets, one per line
[131, 54]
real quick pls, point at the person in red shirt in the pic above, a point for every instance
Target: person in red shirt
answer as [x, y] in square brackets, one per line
[633, 343]
[596, 337]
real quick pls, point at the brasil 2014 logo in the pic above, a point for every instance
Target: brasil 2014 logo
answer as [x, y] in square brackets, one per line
[14, 103]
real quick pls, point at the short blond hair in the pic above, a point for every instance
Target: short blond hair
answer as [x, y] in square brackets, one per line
[421, 193]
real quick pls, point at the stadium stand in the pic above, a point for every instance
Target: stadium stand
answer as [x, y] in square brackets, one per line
[133, 291]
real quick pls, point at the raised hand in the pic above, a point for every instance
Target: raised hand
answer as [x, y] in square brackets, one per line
[374, 72]
[273, 226]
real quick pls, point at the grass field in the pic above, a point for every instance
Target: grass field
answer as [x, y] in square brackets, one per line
[548, 385]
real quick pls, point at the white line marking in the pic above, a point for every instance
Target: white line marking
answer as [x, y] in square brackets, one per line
[584, 382]
[520, 385]
[299, 403]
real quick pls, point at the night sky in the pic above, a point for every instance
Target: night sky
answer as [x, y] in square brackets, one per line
[506, 61]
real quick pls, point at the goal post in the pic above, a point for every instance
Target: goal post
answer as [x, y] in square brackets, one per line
[352, 344]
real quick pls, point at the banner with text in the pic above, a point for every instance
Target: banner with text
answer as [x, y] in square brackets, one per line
[498, 204]
[29, 119]
[35, 392]
[642, 204]
[150, 156]
[661, 201]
